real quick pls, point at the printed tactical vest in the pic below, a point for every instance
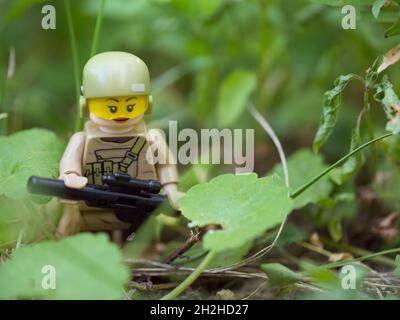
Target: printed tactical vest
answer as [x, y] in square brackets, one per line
[107, 154]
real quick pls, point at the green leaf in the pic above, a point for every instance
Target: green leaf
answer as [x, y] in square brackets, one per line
[233, 96]
[229, 257]
[279, 275]
[377, 6]
[372, 72]
[87, 266]
[26, 153]
[331, 282]
[352, 165]
[21, 220]
[10, 221]
[243, 205]
[303, 166]
[394, 30]
[391, 104]
[397, 271]
[335, 229]
[290, 234]
[330, 112]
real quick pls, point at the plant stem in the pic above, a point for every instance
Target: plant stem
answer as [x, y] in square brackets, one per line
[304, 187]
[315, 249]
[371, 135]
[97, 28]
[359, 252]
[359, 259]
[191, 278]
[74, 51]
[5, 102]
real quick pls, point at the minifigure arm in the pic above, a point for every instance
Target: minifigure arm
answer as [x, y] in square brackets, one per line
[165, 166]
[71, 162]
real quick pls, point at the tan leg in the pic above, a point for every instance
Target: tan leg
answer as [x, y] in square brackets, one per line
[70, 222]
[101, 220]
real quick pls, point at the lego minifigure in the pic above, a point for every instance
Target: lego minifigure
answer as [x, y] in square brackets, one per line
[115, 95]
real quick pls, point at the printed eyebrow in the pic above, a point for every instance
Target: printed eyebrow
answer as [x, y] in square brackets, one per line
[116, 100]
[130, 98]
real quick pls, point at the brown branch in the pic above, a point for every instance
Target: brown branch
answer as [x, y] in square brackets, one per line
[194, 238]
[149, 286]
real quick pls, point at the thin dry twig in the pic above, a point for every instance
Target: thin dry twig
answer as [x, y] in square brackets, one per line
[149, 286]
[262, 284]
[194, 238]
[160, 269]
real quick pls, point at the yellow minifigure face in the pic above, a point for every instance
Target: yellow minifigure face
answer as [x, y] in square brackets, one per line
[118, 108]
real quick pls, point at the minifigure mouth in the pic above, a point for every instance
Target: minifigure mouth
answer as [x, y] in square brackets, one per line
[120, 119]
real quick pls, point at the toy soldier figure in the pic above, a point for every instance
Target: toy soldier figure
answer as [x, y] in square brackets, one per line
[115, 94]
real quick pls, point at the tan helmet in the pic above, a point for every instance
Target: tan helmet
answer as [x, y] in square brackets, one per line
[114, 73]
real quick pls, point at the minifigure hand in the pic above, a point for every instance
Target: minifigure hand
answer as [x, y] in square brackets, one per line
[72, 180]
[173, 195]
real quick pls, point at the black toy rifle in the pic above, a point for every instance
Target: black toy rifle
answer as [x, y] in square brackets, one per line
[126, 196]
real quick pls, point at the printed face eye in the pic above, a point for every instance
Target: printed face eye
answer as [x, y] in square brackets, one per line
[130, 107]
[113, 109]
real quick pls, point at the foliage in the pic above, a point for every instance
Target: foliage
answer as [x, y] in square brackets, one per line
[243, 205]
[234, 94]
[81, 270]
[331, 104]
[279, 275]
[209, 60]
[353, 164]
[391, 104]
[26, 153]
[303, 166]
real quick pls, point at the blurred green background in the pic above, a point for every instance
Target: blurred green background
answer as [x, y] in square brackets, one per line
[295, 49]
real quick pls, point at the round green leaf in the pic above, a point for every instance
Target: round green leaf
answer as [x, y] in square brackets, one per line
[243, 205]
[86, 266]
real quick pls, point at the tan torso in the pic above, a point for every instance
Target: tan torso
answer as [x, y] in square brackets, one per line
[106, 154]
[93, 152]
